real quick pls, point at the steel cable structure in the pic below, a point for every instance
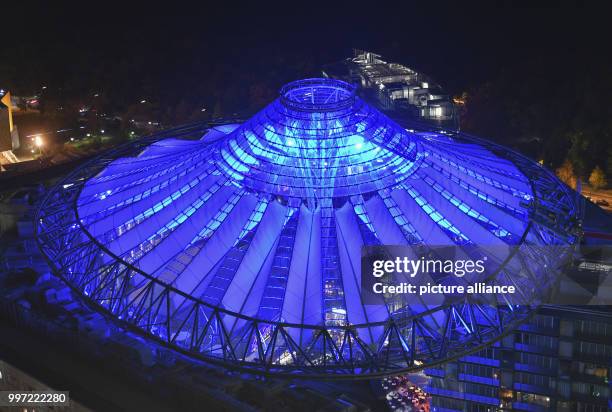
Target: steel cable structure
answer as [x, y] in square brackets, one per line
[240, 244]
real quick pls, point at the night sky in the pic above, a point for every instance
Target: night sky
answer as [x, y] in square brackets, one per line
[178, 45]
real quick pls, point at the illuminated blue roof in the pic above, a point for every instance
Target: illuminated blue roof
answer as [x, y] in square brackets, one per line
[319, 140]
[243, 246]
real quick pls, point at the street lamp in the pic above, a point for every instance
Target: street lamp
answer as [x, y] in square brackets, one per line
[38, 142]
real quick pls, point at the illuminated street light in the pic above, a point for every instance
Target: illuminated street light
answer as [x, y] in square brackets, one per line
[38, 142]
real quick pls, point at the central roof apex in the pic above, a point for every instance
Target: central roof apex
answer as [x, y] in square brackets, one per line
[319, 139]
[318, 95]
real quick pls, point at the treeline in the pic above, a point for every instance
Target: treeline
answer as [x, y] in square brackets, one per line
[555, 111]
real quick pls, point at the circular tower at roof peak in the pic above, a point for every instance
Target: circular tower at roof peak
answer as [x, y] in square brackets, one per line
[318, 140]
[318, 95]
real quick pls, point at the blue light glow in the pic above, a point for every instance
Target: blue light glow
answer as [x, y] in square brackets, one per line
[244, 245]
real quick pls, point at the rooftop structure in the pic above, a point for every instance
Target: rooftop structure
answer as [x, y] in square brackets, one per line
[394, 87]
[9, 137]
[6, 120]
[240, 244]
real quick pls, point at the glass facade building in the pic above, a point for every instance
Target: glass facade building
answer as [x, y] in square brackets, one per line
[560, 360]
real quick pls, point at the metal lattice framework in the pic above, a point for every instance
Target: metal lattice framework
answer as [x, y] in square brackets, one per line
[240, 244]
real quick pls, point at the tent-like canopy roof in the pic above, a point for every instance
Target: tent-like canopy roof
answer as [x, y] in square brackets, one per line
[243, 245]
